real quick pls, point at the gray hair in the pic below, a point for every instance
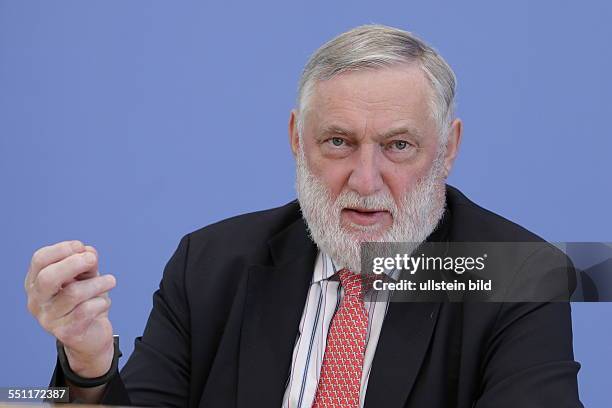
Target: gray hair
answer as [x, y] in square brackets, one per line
[377, 46]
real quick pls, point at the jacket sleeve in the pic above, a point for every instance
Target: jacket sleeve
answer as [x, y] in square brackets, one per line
[529, 360]
[157, 373]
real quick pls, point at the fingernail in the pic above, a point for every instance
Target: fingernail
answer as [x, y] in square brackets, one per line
[89, 258]
[77, 246]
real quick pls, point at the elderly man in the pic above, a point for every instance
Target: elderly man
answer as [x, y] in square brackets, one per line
[265, 309]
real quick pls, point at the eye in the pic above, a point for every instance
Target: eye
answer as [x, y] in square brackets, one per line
[337, 141]
[399, 145]
[337, 146]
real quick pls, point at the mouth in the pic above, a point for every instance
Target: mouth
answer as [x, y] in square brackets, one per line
[365, 216]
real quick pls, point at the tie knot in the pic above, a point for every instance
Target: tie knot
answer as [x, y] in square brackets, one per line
[351, 282]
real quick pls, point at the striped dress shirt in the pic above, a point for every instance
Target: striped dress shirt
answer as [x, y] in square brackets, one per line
[324, 296]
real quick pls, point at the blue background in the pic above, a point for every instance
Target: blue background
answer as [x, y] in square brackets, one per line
[127, 124]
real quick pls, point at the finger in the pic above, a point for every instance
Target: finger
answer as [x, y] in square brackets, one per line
[74, 294]
[91, 249]
[47, 255]
[71, 328]
[90, 273]
[51, 279]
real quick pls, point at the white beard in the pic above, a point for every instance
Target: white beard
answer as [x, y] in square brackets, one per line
[414, 219]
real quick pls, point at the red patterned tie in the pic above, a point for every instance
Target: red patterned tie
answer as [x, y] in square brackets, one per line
[340, 379]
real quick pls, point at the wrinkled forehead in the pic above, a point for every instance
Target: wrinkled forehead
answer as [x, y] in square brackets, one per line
[377, 99]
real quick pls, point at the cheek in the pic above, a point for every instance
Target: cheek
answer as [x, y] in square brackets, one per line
[402, 179]
[332, 173]
[333, 176]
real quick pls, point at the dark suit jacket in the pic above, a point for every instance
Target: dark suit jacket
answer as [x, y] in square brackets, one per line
[226, 315]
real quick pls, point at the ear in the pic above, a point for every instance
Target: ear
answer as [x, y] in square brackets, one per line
[452, 145]
[294, 139]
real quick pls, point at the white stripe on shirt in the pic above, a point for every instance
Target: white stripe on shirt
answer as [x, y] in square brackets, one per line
[322, 301]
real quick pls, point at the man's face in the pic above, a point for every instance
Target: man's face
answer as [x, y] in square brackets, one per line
[370, 144]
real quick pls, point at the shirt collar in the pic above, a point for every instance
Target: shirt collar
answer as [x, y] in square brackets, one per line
[325, 268]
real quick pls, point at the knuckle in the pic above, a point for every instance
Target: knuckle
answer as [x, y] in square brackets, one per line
[85, 259]
[65, 248]
[71, 294]
[84, 311]
[37, 258]
[32, 306]
[27, 285]
[79, 313]
[46, 281]
[74, 245]
[95, 288]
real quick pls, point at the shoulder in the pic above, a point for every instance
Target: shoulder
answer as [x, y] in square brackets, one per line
[471, 222]
[540, 270]
[245, 233]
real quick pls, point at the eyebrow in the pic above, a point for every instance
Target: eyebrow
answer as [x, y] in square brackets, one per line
[401, 130]
[335, 129]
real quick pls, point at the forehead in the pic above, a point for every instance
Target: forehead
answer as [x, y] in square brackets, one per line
[376, 98]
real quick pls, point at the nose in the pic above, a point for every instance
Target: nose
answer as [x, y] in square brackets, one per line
[365, 177]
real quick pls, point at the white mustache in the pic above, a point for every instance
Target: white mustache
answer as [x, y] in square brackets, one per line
[378, 202]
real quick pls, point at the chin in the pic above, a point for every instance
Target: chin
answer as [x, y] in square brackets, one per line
[365, 233]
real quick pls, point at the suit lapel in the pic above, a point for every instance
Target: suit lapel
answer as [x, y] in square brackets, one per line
[275, 299]
[402, 345]
[403, 342]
